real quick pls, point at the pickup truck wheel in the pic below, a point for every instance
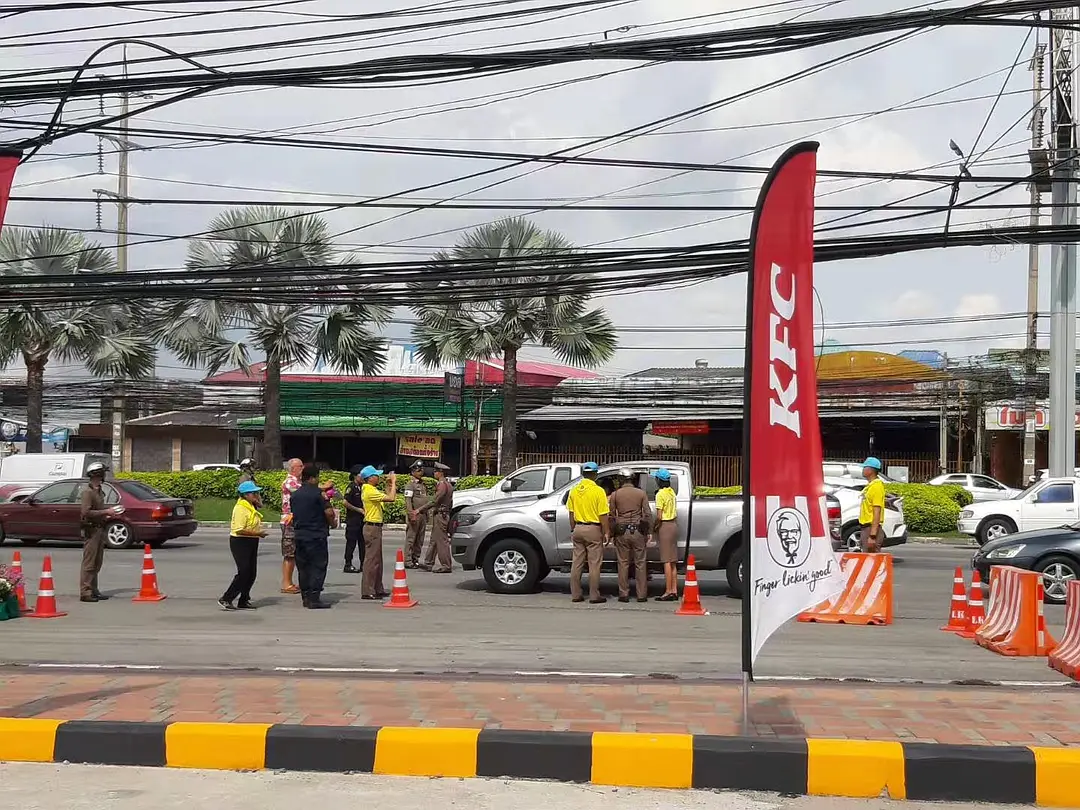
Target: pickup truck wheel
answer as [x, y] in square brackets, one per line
[850, 539]
[735, 572]
[993, 528]
[512, 565]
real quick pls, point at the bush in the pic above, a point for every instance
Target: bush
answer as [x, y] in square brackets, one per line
[222, 484]
[713, 492]
[931, 509]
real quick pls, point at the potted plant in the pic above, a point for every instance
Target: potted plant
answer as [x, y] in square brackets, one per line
[10, 580]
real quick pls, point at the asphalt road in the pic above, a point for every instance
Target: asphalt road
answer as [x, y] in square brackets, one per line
[89, 787]
[460, 628]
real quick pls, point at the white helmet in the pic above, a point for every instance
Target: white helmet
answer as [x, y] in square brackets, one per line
[626, 472]
[97, 468]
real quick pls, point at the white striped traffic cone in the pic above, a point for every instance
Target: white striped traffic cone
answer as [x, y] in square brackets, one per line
[399, 596]
[45, 607]
[149, 591]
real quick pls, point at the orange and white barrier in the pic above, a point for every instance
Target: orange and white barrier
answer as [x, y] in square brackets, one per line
[866, 599]
[1015, 624]
[1066, 657]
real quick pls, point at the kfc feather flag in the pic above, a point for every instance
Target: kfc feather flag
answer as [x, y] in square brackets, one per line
[9, 161]
[791, 565]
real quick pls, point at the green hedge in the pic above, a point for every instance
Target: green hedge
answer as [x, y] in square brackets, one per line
[478, 481]
[222, 484]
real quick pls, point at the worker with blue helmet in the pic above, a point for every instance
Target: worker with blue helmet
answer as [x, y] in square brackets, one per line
[590, 531]
[872, 508]
[245, 531]
[666, 529]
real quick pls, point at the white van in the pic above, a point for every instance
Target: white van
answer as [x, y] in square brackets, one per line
[37, 469]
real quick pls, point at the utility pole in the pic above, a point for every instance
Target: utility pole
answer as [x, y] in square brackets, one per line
[1040, 182]
[121, 195]
[1063, 256]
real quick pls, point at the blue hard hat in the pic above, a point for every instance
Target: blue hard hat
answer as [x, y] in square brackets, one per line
[247, 487]
[662, 474]
[590, 466]
[369, 471]
[872, 463]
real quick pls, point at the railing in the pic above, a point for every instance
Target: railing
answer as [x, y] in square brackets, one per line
[709, 469]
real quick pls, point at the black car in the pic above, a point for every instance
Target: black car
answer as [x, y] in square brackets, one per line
[1053, 552]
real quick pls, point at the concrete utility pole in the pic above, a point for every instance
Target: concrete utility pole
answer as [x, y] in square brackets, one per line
[1063, 256]
[1040, 168]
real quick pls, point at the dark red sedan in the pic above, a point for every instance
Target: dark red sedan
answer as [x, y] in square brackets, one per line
[52, 513]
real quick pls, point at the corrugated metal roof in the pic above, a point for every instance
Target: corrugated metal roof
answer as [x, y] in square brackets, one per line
[372, 424]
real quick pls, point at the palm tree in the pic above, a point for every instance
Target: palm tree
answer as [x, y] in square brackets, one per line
[98, 335]
[517, 310]
[249, 243]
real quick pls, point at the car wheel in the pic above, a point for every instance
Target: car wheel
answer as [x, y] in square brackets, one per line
[849, 540]
[119, 535]
[994, 528]
[33, 542]
[734, 572]
[1058, 571]
[512, 565]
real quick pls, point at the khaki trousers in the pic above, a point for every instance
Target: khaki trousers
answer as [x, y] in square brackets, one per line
[588, 545]
[630, 548]
[414, 539]
[439, 545]
[92, 558]
[372, 582]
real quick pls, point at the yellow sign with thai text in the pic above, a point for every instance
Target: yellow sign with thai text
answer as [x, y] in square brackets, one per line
[420, 446]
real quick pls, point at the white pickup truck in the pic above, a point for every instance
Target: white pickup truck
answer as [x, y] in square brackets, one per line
[536, 480]
[1046, 504]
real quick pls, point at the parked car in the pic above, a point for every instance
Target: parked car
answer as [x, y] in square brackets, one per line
[52, 513]
[217, 466]
[534, 480]
[32, 470]
[1053, 552]
[982, 487]
[1049, 503]
[1041, 474]
[850, 500]
[519, 541]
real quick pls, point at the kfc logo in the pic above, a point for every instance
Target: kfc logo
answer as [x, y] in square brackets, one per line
[788, 539]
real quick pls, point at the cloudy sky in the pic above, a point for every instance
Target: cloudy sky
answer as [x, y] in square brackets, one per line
[893, 110]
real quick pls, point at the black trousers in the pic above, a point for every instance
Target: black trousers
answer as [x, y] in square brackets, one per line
[354, 542]
[245, 552]
[312, 557]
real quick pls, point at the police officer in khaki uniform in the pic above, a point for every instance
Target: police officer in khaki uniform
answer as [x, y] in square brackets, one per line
[631, 519]
[416, 498]
[440, 507]
[92, 515]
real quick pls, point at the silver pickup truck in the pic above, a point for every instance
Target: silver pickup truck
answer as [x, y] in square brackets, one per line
[517, 542]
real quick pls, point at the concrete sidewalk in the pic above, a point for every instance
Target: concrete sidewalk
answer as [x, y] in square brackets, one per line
[955, 715]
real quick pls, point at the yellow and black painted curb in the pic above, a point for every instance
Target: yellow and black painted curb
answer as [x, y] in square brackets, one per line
[1049, 777]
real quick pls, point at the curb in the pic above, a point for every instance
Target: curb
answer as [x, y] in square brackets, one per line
[815, 767]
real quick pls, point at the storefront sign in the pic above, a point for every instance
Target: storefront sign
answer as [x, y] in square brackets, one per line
[420, 446]
[679, 428]
[1011, 417]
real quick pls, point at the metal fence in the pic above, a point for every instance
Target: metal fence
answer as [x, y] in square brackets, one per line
[710, 469]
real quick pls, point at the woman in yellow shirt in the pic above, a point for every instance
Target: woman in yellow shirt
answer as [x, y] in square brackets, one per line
[245, 532]
[667, 532]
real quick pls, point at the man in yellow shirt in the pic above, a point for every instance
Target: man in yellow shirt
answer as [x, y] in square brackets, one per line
[373, 498]
[589, 527]
[872, 508]
[245, 531]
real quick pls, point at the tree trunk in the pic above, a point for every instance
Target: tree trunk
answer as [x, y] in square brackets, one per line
[508, 457]
[271, 455]
[35, 392]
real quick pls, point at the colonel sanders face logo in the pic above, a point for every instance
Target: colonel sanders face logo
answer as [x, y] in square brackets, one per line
[789, 537]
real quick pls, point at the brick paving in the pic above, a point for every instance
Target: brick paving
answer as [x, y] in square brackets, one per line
[962, 714]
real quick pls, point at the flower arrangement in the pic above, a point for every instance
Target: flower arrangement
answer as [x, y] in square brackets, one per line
[10, 580]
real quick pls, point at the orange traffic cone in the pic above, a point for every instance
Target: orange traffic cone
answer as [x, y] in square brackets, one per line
[976, 613]
[20, 589]
[45, 607]
[958, 621]
[691, 598]
[149, 591]
[399, 596]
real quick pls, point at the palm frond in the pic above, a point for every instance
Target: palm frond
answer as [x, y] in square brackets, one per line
[342, 337]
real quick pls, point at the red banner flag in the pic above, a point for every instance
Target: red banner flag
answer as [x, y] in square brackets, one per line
[791, 565]
[9, 161]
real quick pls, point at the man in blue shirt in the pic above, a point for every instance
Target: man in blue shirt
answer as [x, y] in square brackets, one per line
[312, 518]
